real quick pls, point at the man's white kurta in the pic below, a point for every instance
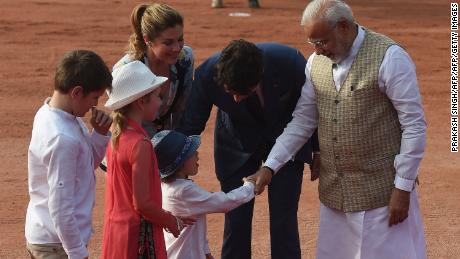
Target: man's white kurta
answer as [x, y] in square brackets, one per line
[365, 234]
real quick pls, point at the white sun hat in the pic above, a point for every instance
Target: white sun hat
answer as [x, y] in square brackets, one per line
[131, 82]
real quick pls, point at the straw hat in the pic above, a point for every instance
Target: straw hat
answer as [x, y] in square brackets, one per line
[131, 82]
[172, 149]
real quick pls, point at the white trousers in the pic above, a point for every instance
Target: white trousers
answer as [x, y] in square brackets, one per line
[366, 234]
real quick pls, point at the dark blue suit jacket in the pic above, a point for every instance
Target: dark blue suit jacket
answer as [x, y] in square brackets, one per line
[238, 135]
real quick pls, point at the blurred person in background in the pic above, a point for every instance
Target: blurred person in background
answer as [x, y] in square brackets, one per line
[220, 4]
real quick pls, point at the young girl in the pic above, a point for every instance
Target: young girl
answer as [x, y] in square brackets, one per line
[177, 160]
[134, 219]
[157, 41]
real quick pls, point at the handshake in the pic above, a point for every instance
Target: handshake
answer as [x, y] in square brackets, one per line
[260, 179]
[264, 175]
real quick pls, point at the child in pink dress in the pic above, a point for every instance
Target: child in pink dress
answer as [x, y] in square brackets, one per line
[134, 218]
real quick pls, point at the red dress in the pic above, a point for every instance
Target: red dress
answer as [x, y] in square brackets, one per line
[121, 220]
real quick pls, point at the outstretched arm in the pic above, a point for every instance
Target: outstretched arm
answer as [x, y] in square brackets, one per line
[199, 201]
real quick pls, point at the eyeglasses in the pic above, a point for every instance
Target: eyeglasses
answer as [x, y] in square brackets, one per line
[318, 43]
[323, 42]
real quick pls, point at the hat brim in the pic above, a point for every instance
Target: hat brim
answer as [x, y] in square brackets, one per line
[195, 144]
[117, 104]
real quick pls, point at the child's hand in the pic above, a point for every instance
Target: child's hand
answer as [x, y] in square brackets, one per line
[188, 221]
[209, 256]
[174, 225]
[179, 223]
[100, 121]
[249, 180]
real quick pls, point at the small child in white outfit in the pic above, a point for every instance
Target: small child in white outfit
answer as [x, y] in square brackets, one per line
[177, 160]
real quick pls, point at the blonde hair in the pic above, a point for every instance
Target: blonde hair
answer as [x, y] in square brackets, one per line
[150, 20]
[120, 122]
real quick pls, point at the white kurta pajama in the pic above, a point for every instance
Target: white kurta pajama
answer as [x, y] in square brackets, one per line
[366, 234]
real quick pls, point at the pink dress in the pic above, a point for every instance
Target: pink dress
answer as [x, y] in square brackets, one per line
[121, 220]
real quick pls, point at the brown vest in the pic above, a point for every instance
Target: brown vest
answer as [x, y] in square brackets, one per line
[359, 131]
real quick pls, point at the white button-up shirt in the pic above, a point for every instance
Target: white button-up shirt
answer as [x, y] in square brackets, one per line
[184, 198]
[397, 80]
[62, 158]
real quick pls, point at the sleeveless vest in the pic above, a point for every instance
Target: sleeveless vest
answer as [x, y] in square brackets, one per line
[359, 131]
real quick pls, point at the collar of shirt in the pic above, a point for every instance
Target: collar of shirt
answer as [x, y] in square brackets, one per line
[60, 112]
[67, 116]
[341, 69]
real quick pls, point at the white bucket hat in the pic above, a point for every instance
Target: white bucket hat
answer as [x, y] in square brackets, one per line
[131, 82]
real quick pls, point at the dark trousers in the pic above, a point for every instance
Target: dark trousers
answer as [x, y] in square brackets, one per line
[283, 197]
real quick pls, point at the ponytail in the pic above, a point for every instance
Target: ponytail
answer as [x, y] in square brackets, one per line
[120, 122]
[150, 20]
[137, 44]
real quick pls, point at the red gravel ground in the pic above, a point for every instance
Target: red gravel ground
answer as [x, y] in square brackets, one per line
[36, 33]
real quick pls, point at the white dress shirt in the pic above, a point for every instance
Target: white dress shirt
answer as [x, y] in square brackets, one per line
[397, 80]
[61, 160]
[184, 198]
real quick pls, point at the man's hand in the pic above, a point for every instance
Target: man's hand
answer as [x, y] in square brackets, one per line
[314, 167]
[399, 206]
[262, 178]
[100, 121]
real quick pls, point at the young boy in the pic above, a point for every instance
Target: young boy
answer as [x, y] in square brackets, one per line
[177, 160]
[62, 157]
